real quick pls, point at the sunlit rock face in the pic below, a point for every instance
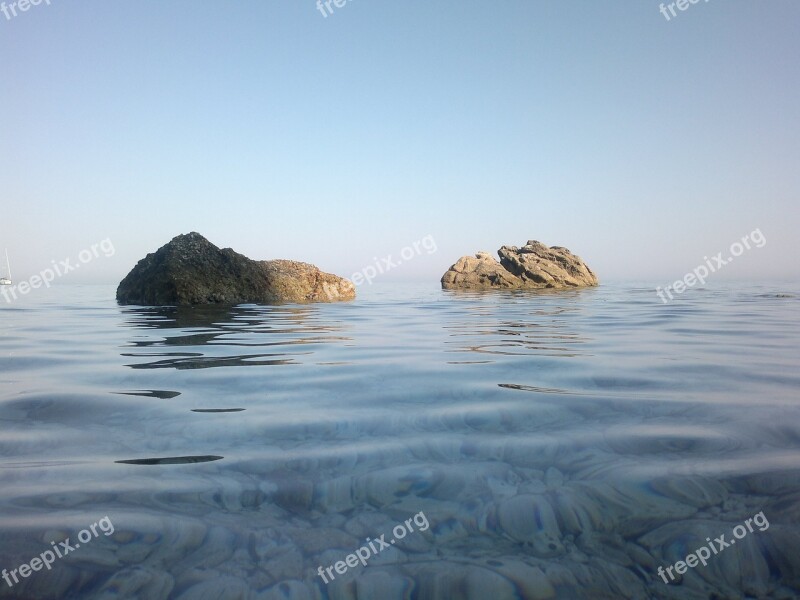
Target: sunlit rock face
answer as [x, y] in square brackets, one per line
[190, 270]
[534, 266]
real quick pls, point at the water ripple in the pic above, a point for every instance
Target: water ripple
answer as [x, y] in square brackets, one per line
[561, 445]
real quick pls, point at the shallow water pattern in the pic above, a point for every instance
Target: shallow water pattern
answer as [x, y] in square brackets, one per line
[560, 445]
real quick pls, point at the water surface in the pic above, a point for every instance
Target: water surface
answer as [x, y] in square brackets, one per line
[558, 445]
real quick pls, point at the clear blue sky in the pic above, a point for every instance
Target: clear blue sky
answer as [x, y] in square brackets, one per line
[639, 143]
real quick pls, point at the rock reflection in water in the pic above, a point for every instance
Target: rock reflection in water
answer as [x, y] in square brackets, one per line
[562, 446]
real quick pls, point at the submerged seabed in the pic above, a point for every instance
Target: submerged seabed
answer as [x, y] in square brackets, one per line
[559, 445]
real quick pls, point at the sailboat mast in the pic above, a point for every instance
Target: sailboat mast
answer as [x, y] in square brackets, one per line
[8, 264]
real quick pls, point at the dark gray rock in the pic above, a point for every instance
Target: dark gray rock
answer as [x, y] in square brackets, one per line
[191, 270]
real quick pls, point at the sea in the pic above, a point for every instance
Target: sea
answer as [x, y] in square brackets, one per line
[413, 444]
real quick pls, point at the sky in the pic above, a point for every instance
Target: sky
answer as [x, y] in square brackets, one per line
[641, 144]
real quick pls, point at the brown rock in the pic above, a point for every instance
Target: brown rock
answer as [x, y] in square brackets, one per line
[534, 266]
[191, 270]
[294, 281]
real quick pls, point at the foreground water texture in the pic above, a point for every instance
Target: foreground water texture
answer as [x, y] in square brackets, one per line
[558, 445]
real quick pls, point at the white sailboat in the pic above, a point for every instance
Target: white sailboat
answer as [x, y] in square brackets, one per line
[6, 280]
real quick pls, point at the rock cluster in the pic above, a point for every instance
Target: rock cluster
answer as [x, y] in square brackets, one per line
[191, 270]
[498, 530]
[533, 266]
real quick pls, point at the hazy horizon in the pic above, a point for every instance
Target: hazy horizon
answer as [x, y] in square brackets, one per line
[642, 145]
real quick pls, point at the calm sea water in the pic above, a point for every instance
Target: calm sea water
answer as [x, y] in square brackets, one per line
[527, 445]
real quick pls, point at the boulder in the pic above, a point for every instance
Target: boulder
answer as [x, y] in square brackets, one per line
[191, 270]
[534, 266]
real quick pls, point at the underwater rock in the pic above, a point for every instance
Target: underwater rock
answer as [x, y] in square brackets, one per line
[137, 582]
[288, 590]
[217, 588]
[530, 519]
[382, 585]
